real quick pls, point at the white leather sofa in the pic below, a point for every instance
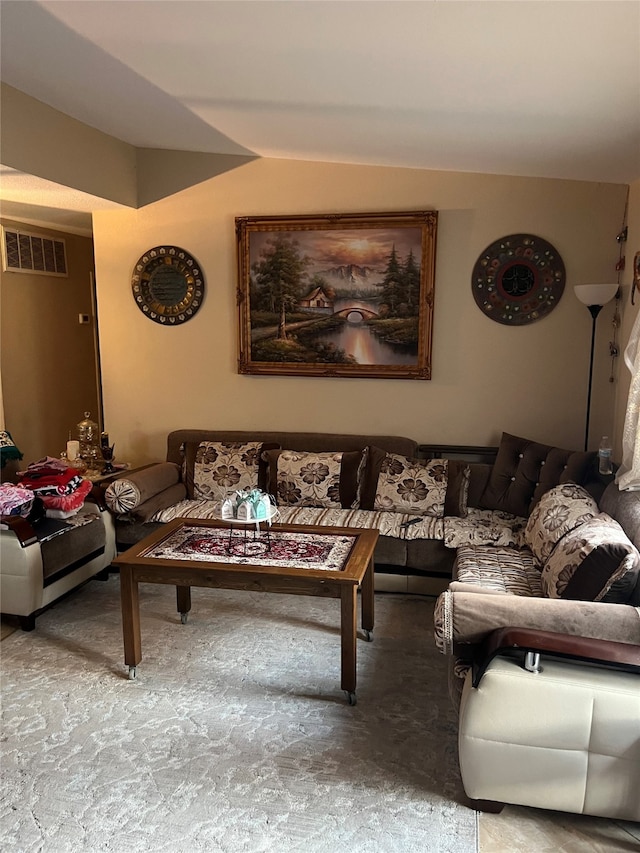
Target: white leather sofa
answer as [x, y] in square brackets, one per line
[42, 561]
[554, 729]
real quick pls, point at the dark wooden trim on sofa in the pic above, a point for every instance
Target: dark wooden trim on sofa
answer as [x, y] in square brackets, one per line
[464, 452]
[624, 656]
[23, 530]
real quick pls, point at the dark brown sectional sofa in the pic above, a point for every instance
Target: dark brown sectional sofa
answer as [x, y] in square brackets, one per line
[403, 564]
[416, 557]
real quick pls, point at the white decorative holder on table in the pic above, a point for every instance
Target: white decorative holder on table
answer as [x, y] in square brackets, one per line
[247, 507]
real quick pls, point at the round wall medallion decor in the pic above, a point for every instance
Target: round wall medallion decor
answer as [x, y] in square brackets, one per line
[168, 285]
[518, 279]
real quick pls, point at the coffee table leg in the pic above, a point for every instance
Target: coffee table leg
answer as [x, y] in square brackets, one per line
[183, 596]
[368, 602]
[348, 611]
[130, 619]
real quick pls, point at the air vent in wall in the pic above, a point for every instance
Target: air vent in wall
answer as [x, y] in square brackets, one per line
[23, 251]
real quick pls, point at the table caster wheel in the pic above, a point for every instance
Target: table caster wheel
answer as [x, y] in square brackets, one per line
[351, 698]
[183, 618]
[368, 635]
[132, 673]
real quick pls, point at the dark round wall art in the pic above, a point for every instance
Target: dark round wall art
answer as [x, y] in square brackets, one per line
[168, 285]
[518, 279]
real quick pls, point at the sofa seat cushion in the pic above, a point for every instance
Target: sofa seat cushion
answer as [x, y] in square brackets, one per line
[485, 527]
[509, 570]
[388, 523]
[188, 509]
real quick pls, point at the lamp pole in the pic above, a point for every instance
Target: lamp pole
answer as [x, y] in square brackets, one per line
[594, 310]
[594, 296]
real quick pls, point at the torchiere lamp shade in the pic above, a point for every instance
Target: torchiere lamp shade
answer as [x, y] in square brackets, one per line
[595, 294]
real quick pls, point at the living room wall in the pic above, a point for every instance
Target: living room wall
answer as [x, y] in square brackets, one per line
[487, 377]
[49, 370]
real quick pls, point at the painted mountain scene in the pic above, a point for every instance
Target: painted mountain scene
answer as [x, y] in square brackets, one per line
[345, 297]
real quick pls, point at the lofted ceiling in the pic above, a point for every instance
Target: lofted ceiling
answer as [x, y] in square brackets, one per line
[549, 88]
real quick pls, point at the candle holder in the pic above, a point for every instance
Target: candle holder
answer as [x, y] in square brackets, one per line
[88, 438]
[107, 455]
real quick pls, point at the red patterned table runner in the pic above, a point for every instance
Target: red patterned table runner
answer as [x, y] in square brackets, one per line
[317, 551]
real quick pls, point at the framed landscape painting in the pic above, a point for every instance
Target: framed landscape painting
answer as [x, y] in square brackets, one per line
[337, 295]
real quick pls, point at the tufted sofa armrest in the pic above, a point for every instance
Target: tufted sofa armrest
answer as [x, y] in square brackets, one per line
[625, 656]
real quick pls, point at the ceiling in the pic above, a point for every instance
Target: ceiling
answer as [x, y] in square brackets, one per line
[545, 89]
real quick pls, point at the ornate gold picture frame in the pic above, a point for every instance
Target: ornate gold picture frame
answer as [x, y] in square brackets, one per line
[347, 295]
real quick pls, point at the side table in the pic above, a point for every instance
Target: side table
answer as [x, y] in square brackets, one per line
[97, 477]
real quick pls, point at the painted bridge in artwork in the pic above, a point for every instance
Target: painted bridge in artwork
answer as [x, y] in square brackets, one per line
[365, 313]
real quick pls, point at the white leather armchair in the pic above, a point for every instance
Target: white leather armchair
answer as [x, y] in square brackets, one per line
[38, 563]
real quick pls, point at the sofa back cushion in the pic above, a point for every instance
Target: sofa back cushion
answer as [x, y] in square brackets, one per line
[213, 469]
[183, 444]
[558, 511]
[524, 470]
[296, 478]
[312, 442]
[595, 561]
[428, 487]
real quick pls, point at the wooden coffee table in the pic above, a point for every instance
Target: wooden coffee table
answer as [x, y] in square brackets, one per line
[331, 562]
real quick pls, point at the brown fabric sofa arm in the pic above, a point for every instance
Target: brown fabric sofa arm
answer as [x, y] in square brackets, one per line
[615, 655]
[128, 493]
[163, 500]
[465, 617]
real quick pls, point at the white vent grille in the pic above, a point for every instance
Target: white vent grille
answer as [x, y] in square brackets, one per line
[23, 251]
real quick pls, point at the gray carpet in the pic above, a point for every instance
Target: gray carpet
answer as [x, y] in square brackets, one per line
[235, 736]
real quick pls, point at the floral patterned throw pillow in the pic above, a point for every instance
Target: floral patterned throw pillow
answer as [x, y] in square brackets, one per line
[559, 511]
[307, 479]
[416, 486]
[594, 562]
[224, 467]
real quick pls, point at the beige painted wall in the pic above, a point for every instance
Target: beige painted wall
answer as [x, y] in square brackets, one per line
[100, 165]
[47, 358]
[75, 155]
[487, 378]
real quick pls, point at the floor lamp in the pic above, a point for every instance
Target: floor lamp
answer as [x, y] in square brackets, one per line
[594, 296]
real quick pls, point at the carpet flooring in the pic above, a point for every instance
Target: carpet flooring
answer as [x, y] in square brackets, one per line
[235, 735]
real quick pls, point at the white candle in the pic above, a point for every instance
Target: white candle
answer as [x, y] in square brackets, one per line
[73, 450]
